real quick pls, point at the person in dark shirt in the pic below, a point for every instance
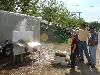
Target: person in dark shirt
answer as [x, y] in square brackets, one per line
[76, 37]
[73, 50]
[93, 42]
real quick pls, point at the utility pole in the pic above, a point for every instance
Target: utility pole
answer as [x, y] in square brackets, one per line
[79, 13]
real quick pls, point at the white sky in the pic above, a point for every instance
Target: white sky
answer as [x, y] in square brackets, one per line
[88, 13]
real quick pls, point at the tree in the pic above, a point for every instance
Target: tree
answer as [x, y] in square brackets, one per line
[95, 24]
[26, 6]
[55, 13]
[7, 5]
[57, 18]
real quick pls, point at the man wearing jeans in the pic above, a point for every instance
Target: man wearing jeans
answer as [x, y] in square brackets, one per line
[83, 35]
[93, 42]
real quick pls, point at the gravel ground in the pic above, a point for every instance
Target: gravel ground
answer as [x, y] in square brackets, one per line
[43, 66]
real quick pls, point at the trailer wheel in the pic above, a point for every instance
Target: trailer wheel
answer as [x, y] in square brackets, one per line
[8, 51]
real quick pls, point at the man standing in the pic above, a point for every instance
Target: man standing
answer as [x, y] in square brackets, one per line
[83, 35]
[93, 42]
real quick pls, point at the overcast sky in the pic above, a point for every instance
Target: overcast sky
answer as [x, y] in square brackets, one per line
[90, 8]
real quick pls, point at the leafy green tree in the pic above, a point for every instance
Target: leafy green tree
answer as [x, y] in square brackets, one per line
[26, 6]
[55, 13]
[95, 24]
[7, 5]
[57, 18]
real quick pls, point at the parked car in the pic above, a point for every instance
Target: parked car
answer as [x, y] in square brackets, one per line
[6, 48]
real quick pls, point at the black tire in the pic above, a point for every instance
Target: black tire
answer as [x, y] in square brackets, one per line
[8, 50]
